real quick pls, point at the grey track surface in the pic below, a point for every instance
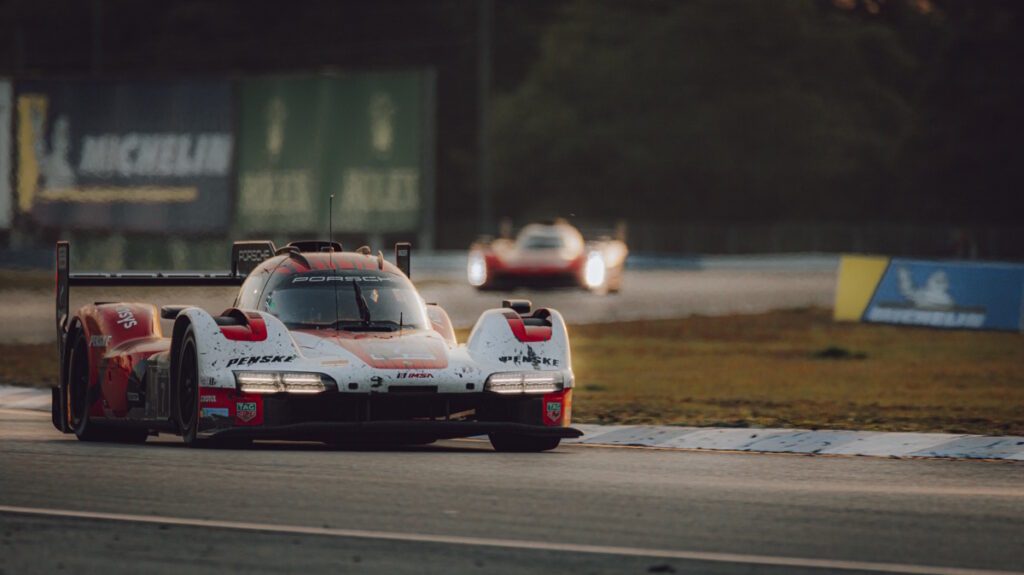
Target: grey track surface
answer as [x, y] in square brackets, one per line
[917, 512]
[646, 294]
[805, 441]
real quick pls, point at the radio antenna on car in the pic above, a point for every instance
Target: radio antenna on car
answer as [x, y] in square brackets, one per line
[330, 254]
[330, 222]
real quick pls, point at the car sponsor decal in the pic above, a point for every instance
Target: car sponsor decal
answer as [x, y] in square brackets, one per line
[214, 412]
[529, 357]
[257, 359]
[553, 410]
[557, 408]
[99, 340]
[246, 410]
[341, 277]
[254, 255]
[414, 375]
[126, 318]
[208, 398]
[334, 362]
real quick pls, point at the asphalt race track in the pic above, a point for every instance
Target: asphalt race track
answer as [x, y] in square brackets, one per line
[457, 506]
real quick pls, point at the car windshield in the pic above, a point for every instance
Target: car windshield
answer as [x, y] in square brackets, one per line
[352, 301]
[541, 242]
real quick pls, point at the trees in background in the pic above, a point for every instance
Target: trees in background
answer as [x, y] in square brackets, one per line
[708, 110]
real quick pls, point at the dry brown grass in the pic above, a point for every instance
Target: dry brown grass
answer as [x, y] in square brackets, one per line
[26, 279]
[764, 370]
[34, 365]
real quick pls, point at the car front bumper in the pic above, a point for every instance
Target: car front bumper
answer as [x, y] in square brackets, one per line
[397, 431]
[386, 416]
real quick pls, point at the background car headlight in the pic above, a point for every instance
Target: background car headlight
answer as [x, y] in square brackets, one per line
[476, 271]
[524, 382]
[273, 382]
[593, 273]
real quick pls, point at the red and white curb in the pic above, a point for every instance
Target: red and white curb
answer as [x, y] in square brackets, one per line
[805, 441]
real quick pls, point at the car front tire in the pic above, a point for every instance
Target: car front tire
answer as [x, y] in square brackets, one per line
[186, 387]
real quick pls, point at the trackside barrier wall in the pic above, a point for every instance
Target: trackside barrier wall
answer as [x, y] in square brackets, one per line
[367, 138]
[143, 156]
[955, 295]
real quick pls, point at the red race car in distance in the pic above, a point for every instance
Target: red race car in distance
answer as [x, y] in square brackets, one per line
[547, 255]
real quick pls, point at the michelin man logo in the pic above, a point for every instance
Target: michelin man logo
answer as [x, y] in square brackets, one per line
[934, 294]
[382, 132]
[53, 164]
[277, 114]
[928, 304]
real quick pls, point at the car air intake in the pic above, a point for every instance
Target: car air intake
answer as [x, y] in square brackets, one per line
[412, 389]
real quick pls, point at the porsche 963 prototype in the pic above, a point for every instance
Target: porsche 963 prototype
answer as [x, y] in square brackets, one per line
[320, 344]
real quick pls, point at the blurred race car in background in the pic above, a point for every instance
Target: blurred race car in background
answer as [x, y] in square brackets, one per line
[319, 345]
[547, 255]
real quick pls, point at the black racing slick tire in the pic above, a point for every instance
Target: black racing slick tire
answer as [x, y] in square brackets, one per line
[513, 443]
[80, 400]
[78, 393]
[186, 390]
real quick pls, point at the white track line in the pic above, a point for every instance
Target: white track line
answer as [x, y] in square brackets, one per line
[801, 562]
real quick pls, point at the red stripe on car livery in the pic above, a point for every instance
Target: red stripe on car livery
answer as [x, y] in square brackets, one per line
[527, 333]
[254, 330]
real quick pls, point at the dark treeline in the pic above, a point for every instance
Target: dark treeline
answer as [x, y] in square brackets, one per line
[707, 110]
[652, 110]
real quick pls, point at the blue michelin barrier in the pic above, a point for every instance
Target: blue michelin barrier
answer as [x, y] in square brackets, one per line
[943, 294]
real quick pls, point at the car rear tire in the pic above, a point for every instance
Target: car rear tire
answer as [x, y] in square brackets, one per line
[78, 390]
[79, 404]
[513, 443]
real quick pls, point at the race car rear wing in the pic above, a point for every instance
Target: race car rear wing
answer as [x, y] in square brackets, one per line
[245, 256]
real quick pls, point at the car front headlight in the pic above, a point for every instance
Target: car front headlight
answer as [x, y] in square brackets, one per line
[303, 382]
[593, 273]
[516, 382]
[476, 270]
[258, 382]
[273, 382]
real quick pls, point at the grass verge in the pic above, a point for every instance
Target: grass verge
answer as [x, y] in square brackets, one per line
[11, 279]
[779, 369]
[799, 369]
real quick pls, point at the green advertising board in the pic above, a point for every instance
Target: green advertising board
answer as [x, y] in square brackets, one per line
[366, 138]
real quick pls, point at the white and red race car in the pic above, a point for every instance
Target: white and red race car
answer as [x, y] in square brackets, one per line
[545, 256]
[319, 344]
